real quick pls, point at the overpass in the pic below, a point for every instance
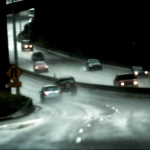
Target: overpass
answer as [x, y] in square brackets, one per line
[19, 5]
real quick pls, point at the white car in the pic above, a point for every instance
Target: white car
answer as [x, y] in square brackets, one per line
[51, 91]
[93, 64]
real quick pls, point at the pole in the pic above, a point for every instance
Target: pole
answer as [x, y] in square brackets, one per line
[20, 23]
[15, 45]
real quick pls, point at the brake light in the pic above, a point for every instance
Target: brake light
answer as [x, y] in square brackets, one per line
[44, 94]
[75, 85]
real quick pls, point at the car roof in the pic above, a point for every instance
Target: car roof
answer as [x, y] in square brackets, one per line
[38, 53]
[48, 85]
[25, 40]
[125, 74]
[66, 77]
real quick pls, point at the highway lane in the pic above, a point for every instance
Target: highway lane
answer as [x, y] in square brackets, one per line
[65, 66]
[87, 120]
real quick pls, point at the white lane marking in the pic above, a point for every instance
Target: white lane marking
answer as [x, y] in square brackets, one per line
[81, 130]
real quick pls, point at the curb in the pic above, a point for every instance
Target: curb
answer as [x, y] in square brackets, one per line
[27, 109]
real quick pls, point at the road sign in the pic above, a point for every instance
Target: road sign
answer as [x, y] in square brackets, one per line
[14, 72]
[14, 84]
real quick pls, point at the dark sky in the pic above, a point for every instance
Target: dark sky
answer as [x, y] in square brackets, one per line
[110, 28]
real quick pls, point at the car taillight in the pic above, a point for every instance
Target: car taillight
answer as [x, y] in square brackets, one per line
[59, 86]
[75, 85]
[44, 94]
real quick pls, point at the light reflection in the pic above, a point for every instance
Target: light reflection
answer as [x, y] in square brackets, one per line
[113, 107]
[107, 105]
[78, 140]
[101, 119]
[89, 125]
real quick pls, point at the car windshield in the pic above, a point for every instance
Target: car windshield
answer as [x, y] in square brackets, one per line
[94, 61]
[40, 63]
[138, 68]
[126, 77]
[62, 81]
[51, 88]
[27, 42]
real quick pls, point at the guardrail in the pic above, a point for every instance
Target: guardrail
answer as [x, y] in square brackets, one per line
[124, 91]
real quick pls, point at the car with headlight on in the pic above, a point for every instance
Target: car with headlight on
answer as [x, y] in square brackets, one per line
[126, 80]
[49, 92]
[37, 56]
[139, 71]
[93, 64]
[26, 45]
[40, 66]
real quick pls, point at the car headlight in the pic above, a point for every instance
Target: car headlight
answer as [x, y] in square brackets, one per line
[36, 67]
[122, 83]
[136, 73]
[46, 66]
[135, 82]
[26, 46]
[90, 66]
[146, 72]
[30, 46]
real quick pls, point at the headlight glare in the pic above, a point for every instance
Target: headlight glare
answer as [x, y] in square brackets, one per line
[26, 46]
[122, 83]
[136, 73]
[135, 82]
[146, 72]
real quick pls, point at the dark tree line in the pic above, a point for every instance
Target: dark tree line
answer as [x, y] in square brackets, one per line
[111, 30]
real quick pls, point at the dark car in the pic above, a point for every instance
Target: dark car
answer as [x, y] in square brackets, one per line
[67, 84]
[93, 64]
[38, 56]
[139, 71]
[26, 45]
[40, 66]
[126, 80]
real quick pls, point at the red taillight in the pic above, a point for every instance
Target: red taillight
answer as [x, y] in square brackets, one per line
[59, 86]
[75, 85]
[44, 94]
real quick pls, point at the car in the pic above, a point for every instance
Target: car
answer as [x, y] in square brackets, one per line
[125, 80]
[49, 92]
[93, 64]
[40, 66]
[37, 56]
[26, 45]
[67, 84]
[139, 71]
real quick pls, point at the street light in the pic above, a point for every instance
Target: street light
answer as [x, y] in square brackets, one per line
[29, 21]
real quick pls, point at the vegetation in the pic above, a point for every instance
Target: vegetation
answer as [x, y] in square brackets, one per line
[11, 103]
